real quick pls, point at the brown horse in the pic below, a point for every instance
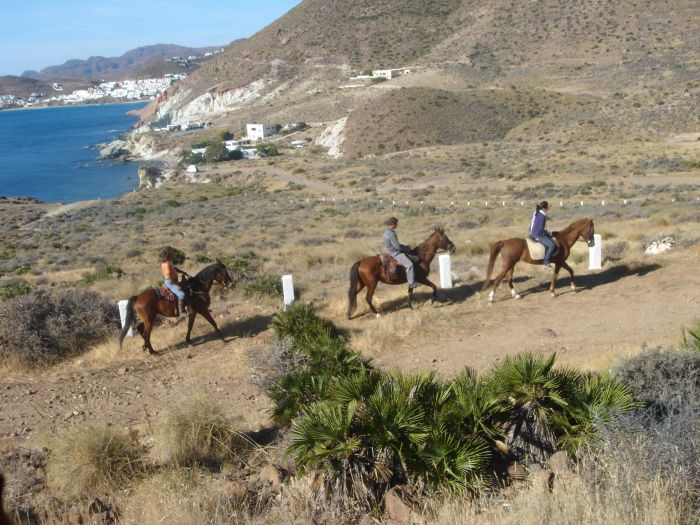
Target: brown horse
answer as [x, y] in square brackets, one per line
[4, 518]
[148, 304]
[513, 251]
[369, 271]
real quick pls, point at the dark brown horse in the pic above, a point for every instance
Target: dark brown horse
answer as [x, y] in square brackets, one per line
[148, 304]
[369, 271]
[513, 251]
[4, 518]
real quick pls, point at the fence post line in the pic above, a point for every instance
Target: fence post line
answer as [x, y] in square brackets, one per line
[445, 271]
[288, 290]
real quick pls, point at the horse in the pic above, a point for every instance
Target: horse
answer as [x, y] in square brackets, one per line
[149, 304]
[4, 518]
[515, 250]
[370, 270]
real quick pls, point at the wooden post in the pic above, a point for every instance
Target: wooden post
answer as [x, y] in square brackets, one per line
[122, 315]
[445, 271]
[595, 253]
[288, 290]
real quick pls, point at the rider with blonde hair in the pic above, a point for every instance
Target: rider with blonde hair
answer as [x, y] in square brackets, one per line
[170, 277]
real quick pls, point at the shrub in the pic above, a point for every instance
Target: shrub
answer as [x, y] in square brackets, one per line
[264, 286]
[13, 288]
[266, 149]
[178, 256]
[217, 152]
[90, 460]
[101, 274]
[243, 265]
[198, 433]
[42, 328]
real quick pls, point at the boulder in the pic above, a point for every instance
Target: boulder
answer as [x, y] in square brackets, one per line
[272, 477]
[115, 150]
[559, 463]
[150, 177]
[660, 246]
[398, 505]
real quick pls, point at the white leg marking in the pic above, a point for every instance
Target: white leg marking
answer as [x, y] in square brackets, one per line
[491, 296]
[377, 315]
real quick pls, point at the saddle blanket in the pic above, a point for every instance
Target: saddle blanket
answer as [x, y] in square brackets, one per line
[537, 249]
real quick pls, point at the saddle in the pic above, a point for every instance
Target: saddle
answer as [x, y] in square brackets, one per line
[390, 266]
[537, 249]
[165, 293]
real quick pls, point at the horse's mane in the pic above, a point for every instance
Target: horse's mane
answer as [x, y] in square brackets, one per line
[437, 230]
[206, 274]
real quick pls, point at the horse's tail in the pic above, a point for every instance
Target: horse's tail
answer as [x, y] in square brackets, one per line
[129, 319]
[495, 250]
[352, 292]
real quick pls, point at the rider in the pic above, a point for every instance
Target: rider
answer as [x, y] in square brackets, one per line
[170, 272]
[399, 251]
[539, 233]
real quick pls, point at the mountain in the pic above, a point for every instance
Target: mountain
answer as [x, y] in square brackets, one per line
[574, 71]
[131, 64]
[24, 87]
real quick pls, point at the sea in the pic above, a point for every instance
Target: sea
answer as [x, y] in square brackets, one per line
[50, 153]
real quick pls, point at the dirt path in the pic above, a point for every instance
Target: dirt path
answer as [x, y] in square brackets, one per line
[614, 313]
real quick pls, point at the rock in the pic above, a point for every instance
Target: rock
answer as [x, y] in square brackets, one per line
[542, 480]
[398, 505]
[150, 177]
[559, 463]
[661, 246]
[516, 471]
[115, 150]
[273, 477]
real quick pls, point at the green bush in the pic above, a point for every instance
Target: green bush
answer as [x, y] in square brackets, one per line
[244, 265]
[13, 288]
[268, 150]
[178, 256]
[101, 274]
[264, 286]
[217, 152]
[42, 328]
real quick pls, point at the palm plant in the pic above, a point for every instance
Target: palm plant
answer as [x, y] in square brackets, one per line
[598, 400]
[535, 394]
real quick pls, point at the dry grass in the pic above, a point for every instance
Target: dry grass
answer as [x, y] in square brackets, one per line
[198, 433]
[89, 460]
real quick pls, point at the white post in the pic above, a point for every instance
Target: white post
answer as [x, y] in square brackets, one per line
[445, 271]
[595, 253]
[288, 290]
[122, 315]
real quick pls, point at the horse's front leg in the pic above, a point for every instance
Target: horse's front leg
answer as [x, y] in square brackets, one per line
[410, 297]
[209, 318]
[190, 324]
[571, 273]
[428, 282]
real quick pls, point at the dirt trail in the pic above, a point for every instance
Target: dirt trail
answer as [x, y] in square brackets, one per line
[615, 311]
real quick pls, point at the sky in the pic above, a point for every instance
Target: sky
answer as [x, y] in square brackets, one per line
[35, 34]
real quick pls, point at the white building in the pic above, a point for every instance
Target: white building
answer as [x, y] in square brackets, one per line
[260, 131]
[391, 73]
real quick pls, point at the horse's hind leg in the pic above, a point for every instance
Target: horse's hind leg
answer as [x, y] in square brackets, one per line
[190, 323]
[147, 328]
[496, 282]
[552, 286]
[368, 297]
[513, 292]
[431, 284]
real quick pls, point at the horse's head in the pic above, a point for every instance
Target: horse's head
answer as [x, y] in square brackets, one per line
[588, 232]
[444, 242]
[221, 275]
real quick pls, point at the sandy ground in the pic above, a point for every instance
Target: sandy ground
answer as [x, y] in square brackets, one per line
[614, 313]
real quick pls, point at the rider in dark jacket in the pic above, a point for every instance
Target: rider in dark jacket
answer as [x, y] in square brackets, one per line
[398, 251]
[539, 233]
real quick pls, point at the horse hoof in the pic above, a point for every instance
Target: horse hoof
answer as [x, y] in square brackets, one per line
[553, 294]
[573, 287]
[153, 352]
[518, 296]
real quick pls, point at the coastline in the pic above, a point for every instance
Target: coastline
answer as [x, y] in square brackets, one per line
[89, 104]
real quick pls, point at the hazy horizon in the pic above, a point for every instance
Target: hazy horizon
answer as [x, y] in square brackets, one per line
[38, 33]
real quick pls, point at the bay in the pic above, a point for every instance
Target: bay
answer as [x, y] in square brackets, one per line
[50, 153]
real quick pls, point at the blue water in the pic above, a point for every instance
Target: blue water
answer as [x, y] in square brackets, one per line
[49, 153]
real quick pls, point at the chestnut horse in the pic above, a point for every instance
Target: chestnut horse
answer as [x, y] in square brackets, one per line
[513, 251]
[369, 271]
[148, 304]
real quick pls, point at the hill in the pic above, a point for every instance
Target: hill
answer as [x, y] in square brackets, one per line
[132, 64]
[620, 57]
[23, 87]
